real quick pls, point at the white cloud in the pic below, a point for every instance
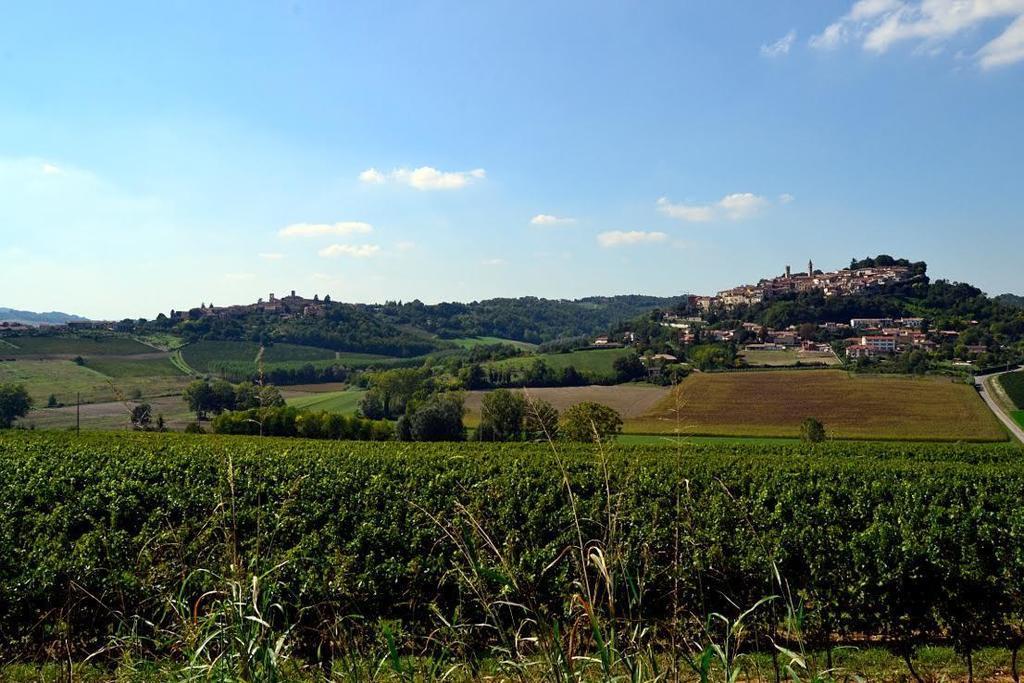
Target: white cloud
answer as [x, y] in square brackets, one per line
[618, 238]
[736, 206]
[319, 229]
[51, 169]
[880, 24]
[786, 198]
[271, 256]
[372, 176]
[547, 219]
[741, 205]
[493, 261]
[1007, 48]
[780, 47]
[353, 250]
[405, 246]
[424, 177]
[686, 212]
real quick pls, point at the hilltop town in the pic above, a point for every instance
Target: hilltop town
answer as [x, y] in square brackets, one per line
[860, 277]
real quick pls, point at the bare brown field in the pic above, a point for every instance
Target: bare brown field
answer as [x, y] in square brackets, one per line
[850, 406]
[630, 400]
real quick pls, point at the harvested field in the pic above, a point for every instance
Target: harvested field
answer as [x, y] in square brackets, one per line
[850, 406]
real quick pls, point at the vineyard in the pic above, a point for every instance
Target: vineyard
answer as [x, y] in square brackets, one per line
[509, 551]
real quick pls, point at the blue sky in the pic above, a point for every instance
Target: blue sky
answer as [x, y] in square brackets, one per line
[159, 155]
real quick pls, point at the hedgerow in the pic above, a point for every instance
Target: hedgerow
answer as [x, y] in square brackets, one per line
[905, 543]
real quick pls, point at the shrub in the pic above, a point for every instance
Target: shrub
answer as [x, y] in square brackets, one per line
[812, 431]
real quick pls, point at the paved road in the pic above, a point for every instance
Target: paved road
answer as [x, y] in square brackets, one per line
[981, 382]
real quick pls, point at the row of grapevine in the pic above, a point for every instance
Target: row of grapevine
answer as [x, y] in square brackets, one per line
[906, 543]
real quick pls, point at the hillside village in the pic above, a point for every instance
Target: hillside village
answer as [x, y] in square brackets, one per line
[717, 319]
[836, 283]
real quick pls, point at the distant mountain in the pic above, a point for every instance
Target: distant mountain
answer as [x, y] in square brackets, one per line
[1011, 300]
[11, 315]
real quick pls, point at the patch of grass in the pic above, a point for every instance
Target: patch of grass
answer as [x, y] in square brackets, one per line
[164, 341]
[341, 402]
[788, 357]
[470, 342]
[881, 407]
[126, 367]
[75, 345]
[627, 439]
[65, 380]
[1018, 415]
[851, 663]
[1013, 384]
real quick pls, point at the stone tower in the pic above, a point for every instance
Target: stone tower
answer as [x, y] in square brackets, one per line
[810, 267]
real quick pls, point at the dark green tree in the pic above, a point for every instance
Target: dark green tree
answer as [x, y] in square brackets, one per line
[14, 403]
[590, 422]
[540, 422]
[200, 398]
[501, 416]
[141, 416]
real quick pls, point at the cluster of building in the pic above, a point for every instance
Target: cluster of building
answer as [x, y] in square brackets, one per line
[289, 306]
[834, 283]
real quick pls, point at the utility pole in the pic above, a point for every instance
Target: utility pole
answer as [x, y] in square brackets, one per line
[78, 414]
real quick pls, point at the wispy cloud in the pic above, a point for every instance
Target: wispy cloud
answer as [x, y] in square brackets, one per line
[786, 198]
[780, 47]
[372, 176]
[686, 212]
[51, 169]
[547, 219]
[405, 246]
[735, 207]
[320, 229]
[493, 261]
[878, 25]
[353, 250]
[424, 178]
[620, 238]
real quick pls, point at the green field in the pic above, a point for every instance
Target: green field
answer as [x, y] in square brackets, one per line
[470, 342]
[67, 380]
[128, 367]
[202, 354]
[74, 345]
[1018, 415]
[341, 402]
[1013, 384]
[597, 363]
